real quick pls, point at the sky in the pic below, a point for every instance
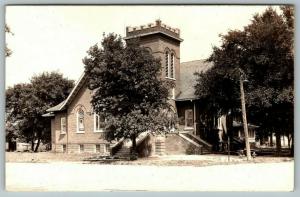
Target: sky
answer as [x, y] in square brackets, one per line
[56, 38]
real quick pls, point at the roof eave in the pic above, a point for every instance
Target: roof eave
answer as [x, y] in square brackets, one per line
[151, 33]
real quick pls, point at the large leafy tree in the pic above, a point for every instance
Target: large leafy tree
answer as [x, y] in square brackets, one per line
[26, 103]
[263, 52]
[127, 88]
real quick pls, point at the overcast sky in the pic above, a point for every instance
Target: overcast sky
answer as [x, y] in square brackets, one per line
[56, 38]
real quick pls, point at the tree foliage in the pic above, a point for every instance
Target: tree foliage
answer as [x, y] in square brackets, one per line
[27, 102]
[8, 51]
[264, 51]
[126, 84]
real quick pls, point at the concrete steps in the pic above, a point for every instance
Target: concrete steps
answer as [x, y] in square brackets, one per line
[206, 148]
[125, 150]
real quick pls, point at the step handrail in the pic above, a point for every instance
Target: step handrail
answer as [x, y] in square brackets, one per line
[189, 140]
[200, 140]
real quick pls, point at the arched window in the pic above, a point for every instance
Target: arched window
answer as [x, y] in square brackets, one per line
[80, 121]
[172, 66]
[167, 63]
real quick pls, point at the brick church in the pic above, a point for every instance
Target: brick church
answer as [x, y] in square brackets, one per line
[76, 129]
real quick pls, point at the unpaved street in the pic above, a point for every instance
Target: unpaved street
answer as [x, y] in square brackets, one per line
[71, 176]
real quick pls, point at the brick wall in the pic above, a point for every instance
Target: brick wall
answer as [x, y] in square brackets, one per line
[158, 45]
[87, 148]
[72, 139]
[176, 145]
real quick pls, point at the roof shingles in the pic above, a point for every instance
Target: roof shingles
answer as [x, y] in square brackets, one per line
[188, 79]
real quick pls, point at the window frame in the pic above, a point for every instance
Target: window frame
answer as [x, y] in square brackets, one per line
[186, 112]
[96, 148]
[172, 66]
[63, 125]
[167, 64]
[106, 148]
[79, 146]
[170, 72]
[64, 148]
[78, 130]
[98, 130]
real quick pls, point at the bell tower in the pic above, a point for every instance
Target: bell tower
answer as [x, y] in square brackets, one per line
[164, 43]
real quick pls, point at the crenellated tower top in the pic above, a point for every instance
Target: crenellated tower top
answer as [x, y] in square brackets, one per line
[153, 28]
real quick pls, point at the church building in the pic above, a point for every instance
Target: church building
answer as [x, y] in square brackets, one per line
[76, 129]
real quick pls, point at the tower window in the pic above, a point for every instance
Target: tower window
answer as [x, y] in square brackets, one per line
[172, 66]
[167, 64]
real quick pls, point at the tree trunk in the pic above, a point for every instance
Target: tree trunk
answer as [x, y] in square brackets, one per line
[133, 139]
[10, 145]
[37, 145]
[32, 144]
[271, 139]
[289, 137]
[292, 145]
[278, 143]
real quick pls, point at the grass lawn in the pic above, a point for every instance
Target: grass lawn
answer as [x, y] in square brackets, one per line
[168, 160]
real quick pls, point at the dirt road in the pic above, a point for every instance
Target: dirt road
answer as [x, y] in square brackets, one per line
[71, 176]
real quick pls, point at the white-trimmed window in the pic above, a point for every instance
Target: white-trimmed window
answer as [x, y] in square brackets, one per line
[80, 121]
[99, 123]
[106, 148]
[170, 65]
[63, 125]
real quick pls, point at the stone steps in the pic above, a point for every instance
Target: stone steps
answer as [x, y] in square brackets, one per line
[125, 149]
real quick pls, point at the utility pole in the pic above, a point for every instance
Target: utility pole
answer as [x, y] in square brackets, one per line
[244, 117]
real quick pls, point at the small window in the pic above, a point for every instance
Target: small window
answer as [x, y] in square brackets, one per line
[251, 133]
[106, 148]
[80, 121]
[64, 148]
[97, 148]
[63, 125]
[81, 148]
[189, 118]
[99, 123]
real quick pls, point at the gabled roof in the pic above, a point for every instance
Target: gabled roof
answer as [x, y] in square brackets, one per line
[62, 105]
[188, 79]
[56, 108]
[186, 83]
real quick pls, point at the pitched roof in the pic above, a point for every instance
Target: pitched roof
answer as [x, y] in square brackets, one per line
[188, 79]
[56, 107]
[71, 96]
[186, 83]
